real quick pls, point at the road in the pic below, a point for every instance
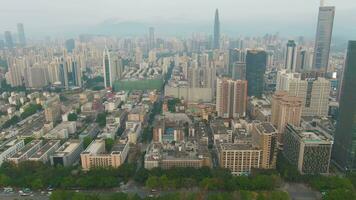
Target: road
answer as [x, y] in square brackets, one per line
[13, 196]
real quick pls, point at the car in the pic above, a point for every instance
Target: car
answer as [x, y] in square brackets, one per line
[8, 190]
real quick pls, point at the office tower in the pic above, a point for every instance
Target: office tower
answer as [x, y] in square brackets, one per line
[291, 56]
[264, 136]
[344, 149]
[235, 55]
[239, 71]
[308, 150]
[304, 60]
[108, 69]
[231, 98]
[285, 109]
[21, 34]
[9, 43]
[151, 38]
[63, 73]
[256, 61]
[216, 42]
[76, 73]
[313, 91]
[323, 37]
[70, 45]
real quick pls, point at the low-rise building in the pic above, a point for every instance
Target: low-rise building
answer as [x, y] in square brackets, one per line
[44, 153]
[185, 154]
[96, 156]
[26, 152]
[68, 153]
[9, 148]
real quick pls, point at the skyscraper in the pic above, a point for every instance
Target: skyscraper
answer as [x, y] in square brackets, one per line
[21, 34]
[231, 98]
[323, 37]
[9, 43]
[235, 55]
[109, 72]
[216, 42]
[344, 149]
[151, 38]
[256, 61]
[291, 56]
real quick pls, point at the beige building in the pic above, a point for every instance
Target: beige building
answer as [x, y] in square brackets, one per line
[314, 92]
[231, 98]
[52, 109]
[264, 135]
[96, 155]
[239, 158]
[285, 109]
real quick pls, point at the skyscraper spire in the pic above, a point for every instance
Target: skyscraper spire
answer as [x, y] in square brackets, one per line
[216, 42]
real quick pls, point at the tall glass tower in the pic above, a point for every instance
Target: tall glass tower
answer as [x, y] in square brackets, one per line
[256, 61]
[344, 149]
[216, 42]
[107, 69]
[323, 37]
[21, 34]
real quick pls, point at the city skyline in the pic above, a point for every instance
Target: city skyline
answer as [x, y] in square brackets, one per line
[169, 22]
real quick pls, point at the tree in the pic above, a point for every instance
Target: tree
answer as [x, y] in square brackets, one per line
[152, 182]
[109, 143]
[101, 119]
[86, 142]
[72, 117]
[340, 194]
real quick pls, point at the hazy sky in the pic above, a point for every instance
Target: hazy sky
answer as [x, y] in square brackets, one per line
[52, 15]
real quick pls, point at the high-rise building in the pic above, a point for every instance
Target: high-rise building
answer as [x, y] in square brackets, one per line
[256, 61]
[235, 55]
[21, 34]
[285, 109]
[291, 56]
[9, 43]
[308, 150]
[231, 98]
[63, 73]
[344, 149]
[107, 69]
[14, 76]
[216, 42]
[70, 45]
[313, 91]
[36, 76]
[323, 37]
[151, 38]
[264, 135]
[239, 71]
[304, 60]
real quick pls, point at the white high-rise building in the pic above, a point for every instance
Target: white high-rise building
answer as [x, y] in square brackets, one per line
[314, 92]
[291, 56]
